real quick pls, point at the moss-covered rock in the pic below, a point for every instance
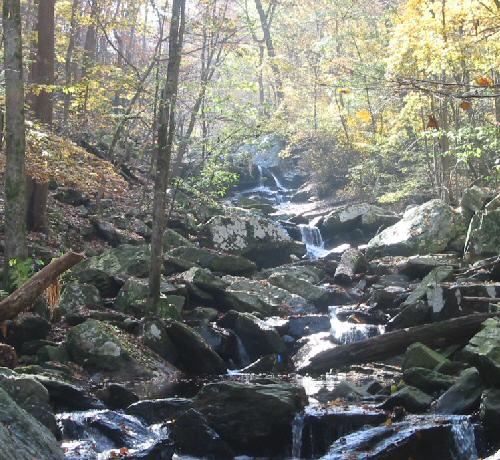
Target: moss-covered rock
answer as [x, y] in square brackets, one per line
[425, 229]
[108, 271]
[172, 240]
[187, 257]
[483, 237]
[76, 296]
[22, 437]
[483, 351]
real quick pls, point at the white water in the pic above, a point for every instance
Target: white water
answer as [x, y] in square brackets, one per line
[465, 439]
[297, 429]
[311, 237]
[346, 332]
[279, 185]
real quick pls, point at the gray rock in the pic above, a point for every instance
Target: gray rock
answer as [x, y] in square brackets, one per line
[241, 414]
[259, 239]
[159, 410]
[490, 411]
[203, 279]
[31, 396]
[314, 294]
[215, 261]
[436, 276]
[133, 298]
[76, 296]
[192, 436]
[412, 315]
[483, 351]
[419, 355]
[427, 380]
[108, 271]
[154, 336]
[258, 338]
[464, 396]
[250, 296]
[172, 240]
[195, 355]
[412, 399]
[98, 346]
[364, 216]
[299, 326]
[425, 229]
[483, 237]
[474, 199]
[22, 437]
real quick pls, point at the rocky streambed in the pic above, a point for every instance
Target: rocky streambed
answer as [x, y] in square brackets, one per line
[231, 363]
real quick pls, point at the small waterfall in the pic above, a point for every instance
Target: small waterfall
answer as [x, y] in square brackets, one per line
[464, 438]
[261, 176]
[297, 432]
[279, 185]
[311, 237]
[346, 332]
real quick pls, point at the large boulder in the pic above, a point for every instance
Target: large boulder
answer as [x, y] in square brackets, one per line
[419, 355]
[172, 240]
[97, 344]
[428, 380]
[412, 399]
[490, 411]
[464, 396]
[30, 395]
[195, 354]
[254, 419]
[257, 337]
[133, 297]
[483, 351]
[483, 237]
[319, 296]
[22, 437]
[108, 271]
[100, 347]
[192, 435]
[76, 296]
[259, 239]
[251, 296]
[425, 229]
[186, 257]
[363, 216]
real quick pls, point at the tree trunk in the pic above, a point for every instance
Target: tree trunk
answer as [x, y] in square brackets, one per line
[36, 195]
[24, 297]
[166, 133]
[43, 67]
[456, 331]
[15, 186]
[68, 74]
[271, 52]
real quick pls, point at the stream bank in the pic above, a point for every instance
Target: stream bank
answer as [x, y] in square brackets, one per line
[250, 294]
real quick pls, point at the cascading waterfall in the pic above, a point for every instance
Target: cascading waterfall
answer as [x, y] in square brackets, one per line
[464, 438]
[311, 237]
[297, 432]
[279, 185]
[261, 176]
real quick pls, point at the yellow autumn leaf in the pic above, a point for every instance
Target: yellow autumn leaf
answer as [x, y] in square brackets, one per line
[364, 115]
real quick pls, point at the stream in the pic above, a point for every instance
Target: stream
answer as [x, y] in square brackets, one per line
[335, 432]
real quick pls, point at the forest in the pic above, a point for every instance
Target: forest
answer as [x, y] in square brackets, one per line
[250, 229]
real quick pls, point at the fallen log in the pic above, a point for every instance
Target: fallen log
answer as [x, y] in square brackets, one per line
[24, 297]
[454, 331]
[350, 264]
